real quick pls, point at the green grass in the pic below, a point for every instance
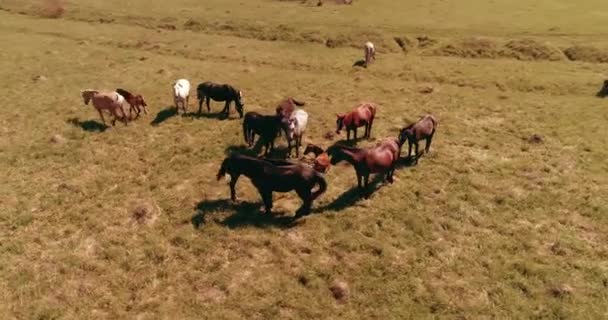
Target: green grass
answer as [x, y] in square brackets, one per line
[486, 226]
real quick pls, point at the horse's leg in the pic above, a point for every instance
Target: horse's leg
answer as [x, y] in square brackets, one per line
[355, 133]
[227, 108]
[366, 185]
[416, 155]
[233, 180]
[200, 105]
[101, 115]
[124, 115]
[306, 196]
[186, 105]
[207, 102]
[298, 144]
[409, 149]
[428, 143]
[267, 198]
[347, 134]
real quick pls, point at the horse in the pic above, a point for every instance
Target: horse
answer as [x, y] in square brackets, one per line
[181, 93]
[266, 126]
[370, 53]
[105, 100]
[287, 106]
[219, 92]
[321, 160]
[268, 178]
[423, 129]
[381, 158]
[362, 115]
[136, 102]
[295, 128]
[603, 91]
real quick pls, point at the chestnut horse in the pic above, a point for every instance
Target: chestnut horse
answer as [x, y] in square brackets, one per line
[321, 161]
[266, 126]
[362, 115]
[381, 158]
[268, 177]
[423, 129]
[106, 100]
[136, 102]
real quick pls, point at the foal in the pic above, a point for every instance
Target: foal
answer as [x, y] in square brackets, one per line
[105, 100]
[362, 115]
[381, 158]
[321, 161]
[268, 177]
[423, 129]
[135, 102]
[266, 126]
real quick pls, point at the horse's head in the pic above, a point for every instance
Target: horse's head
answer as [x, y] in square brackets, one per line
[87, 95]
[405, 134]
[339, 122]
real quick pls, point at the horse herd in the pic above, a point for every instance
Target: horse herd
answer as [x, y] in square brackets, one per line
[270, 175]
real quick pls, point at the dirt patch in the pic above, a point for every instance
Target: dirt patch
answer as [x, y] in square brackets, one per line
[587, 54]
[143, 213]
[425, 42]
[406, 44]
[340, 291]
[52, 9]
[193, 25]
[536, 139]
[167, 26]
[528, 49]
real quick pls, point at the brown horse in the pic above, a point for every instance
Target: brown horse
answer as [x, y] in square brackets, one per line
[381, 158]
[362, 115]
[423, 129]
[287, 106]
[136, 102]
[268, 177]
[105, 100]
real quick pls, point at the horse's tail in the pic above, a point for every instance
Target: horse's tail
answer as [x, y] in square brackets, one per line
[222, 172]
[319, 180]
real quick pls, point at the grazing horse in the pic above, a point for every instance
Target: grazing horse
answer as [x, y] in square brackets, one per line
[181, 93]
[362, 115]
[296, 126]
[381, 158]
[423, 129]
[287, 106]
[604, 91]
[268, 177]
[106, 100]
[219, 92]
[370, 53]
[321, 161]
[266, 126]
[136, 102]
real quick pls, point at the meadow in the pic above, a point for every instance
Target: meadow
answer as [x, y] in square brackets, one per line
[506, 217]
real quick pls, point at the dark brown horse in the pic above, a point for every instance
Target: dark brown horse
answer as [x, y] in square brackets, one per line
[136, 102]
[219, 92]
[381, 158]
[361, 116]
[266, 126]
[423, 129]
[268, 177]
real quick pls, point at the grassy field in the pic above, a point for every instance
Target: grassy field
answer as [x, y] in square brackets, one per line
[129, 222]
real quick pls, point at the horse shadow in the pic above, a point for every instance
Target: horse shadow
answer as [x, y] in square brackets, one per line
[88, 125]
[246, 214]
[406, 162]
[205, 115]
[164, 115]
[353, 195]
[359, 63]
[279, 152]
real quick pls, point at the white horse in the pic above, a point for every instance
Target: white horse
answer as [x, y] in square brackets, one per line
[370, 53]
[296, 125]
[181, 93]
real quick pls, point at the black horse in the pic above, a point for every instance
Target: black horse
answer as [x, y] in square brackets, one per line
[266, 126]
[268, 177]
[219, 92]
[604, 91]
